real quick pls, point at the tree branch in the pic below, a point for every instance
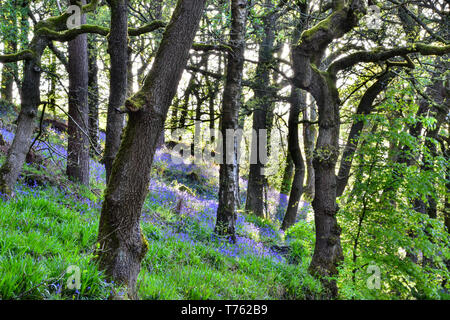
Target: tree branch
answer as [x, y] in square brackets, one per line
[378, 55]
[149, 27]
[14, 57]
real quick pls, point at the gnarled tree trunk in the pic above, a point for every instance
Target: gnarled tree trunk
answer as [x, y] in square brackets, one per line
[307, 54]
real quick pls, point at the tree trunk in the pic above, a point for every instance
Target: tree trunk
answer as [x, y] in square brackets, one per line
[228, 180]
[298, 102]
[78, 128]
[261, 116]
[118, 52]
[327, 250]
[122, 243]
[185, 107]
[130, 76]
[6, 92]
[309, 139]
[93, 97]
[30, 100]
[52, 91]
[307, 54]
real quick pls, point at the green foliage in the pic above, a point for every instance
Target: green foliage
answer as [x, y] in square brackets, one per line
[381, 224]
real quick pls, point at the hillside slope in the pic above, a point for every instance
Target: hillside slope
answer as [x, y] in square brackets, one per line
[51, 224]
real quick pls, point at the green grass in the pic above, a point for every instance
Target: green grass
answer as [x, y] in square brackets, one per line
[40, 237]
[44, 230]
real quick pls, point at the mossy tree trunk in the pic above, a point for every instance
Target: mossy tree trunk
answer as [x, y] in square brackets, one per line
[285, 187]
[307, 54]
[122, 243]
[309, 140]
[118, 52]
[228, 172]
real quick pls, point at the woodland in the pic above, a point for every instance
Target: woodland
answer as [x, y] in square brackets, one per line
[224, 150]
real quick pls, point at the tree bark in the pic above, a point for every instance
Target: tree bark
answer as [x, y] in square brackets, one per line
[78, 125]
[122, 243]
[118, 52]
[228, 180]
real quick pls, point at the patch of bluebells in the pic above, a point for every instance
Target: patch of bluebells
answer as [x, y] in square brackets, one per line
[102, 136]
[8, 136]
[282, 206]
[201, 209]
[203, 212]
[97, 171]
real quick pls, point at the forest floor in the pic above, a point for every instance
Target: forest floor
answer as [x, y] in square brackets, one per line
[52, 223]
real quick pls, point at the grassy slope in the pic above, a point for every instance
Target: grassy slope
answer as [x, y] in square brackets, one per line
[52, 224]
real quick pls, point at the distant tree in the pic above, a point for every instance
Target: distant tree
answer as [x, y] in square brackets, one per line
[10, 37]
[263, 110]
[93, 97]
[297, 105]
[228, 172]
